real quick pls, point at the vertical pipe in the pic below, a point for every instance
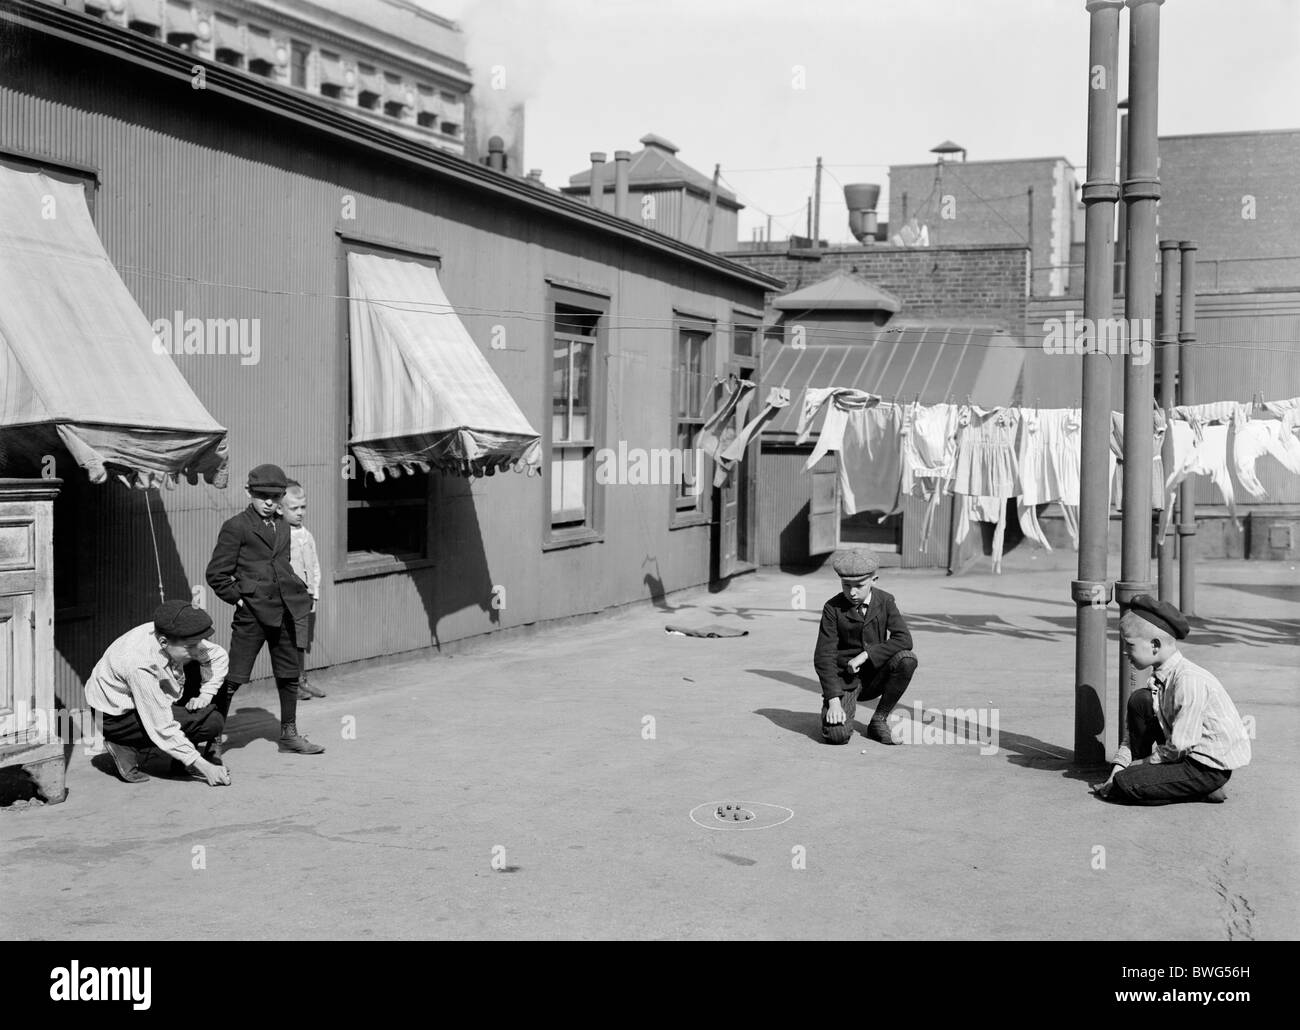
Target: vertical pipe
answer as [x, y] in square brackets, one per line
[1121, 237]
[1141, 195]
[713, 207]
[1091, 592]
[808, 220]
[1187, 490]
[597, 196]
[1032, 252]
[817, 204]
[768, 237]
[622, 161]
[1168, 379]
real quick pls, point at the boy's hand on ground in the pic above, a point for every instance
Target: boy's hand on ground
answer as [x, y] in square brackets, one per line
[835, 712]
[216, 775]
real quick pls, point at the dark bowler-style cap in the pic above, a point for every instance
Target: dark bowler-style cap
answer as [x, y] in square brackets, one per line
[180, 620]
[1160, 614]
[268, 478]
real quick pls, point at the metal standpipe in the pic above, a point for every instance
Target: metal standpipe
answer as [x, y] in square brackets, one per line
[1187, 489]
[1141, 195]
[1168, 359]
[1091, 591]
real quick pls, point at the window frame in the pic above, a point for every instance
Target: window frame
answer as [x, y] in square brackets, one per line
[685, 512]
[592, 528]
[348, 564]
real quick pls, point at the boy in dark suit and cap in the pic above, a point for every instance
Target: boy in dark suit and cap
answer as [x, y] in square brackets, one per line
[864, 651]
[250, 569]
[138, 689]
[1184, 733]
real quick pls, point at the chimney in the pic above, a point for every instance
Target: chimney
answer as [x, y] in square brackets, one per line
[497, 154]
[622, 160]
[596, 198]
[861, 198]
[535, 176]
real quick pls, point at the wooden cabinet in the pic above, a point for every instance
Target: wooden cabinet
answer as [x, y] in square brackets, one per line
[28, 723]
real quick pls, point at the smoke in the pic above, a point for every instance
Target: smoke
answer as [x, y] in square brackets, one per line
[507, 51]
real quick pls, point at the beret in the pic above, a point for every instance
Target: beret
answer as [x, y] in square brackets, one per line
[180, 619]
[267, 477]
[855, 564]
[1160, 614]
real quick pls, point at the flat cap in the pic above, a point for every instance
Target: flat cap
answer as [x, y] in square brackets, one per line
[1160, 614]
[180, 619]
[855, 564]
[267, 477]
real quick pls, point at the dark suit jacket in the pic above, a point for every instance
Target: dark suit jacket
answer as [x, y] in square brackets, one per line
[844, 634]
[251, 562]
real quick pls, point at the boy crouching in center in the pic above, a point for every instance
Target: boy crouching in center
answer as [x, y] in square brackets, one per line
[864, 651]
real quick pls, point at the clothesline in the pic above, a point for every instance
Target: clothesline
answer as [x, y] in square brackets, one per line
[986, 456]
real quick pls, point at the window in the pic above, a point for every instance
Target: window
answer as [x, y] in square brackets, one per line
[298, 53]
[388, 525]
[227, 43]
[574, 423]
[744, 339]
[691, 377]
[450, 129]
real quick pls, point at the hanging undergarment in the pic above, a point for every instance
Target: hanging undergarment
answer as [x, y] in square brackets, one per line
[929, 454]
[814, 398]
[871, 460]
[986, 462]
[1257, 437]
[1049, 469]
[723, 424]
[1202, 449]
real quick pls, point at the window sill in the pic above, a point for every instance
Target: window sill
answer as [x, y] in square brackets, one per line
[689, 519]
[573, 538]
[365, 568]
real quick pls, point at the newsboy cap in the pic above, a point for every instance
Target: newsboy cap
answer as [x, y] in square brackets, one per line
[856, 564]
[268, 477]
[180, 620]
[1160, 614]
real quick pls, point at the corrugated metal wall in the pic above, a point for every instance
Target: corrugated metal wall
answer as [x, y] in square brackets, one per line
[212, 208]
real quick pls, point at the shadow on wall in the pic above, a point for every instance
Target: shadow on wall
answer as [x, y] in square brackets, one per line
[793, 545]
[461, 578]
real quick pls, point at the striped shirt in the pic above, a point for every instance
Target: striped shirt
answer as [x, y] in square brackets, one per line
[135, 675]
[1198, 718]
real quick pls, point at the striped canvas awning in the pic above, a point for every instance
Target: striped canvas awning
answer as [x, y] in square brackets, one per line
[78, 361]
[930, 362]
[331, 70]
[423, 394]
[261, 48]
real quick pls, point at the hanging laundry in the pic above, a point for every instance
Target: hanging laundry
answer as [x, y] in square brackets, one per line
[986, 465]
[1049, 469]
[814, 399]
[723, 424]
[1158, 429]
[929, 454]
[1202, 438]
[1284, 408]
[831, 435]
[871, 460]
[1257, 437]
[732, 454]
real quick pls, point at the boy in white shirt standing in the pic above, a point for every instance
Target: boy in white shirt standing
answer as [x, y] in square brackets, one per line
[306, 566]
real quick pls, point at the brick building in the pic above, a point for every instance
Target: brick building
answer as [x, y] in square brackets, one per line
[1030, 201]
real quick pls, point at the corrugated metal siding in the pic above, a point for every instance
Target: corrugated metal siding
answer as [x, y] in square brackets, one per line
[784, 493]
[212, 208]
[934, 555]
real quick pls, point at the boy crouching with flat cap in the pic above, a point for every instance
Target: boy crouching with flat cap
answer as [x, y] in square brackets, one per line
[138, 688]
[1185, 736]
[864, 651]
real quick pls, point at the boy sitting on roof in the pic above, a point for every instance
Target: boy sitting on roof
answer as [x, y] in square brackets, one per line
[1183, 729]
[864, 651]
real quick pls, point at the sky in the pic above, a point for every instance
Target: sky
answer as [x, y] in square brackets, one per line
[763, 87]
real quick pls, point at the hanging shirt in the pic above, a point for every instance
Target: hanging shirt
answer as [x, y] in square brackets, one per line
[1202, 448]
[721, 427]
[929, 454]
[814, 399]
[732, 454]
[1158, 430]
[986, 452]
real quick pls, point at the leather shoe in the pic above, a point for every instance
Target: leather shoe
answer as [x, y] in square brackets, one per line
[312, 690]
[292, 743]
[127, 761]
[878, 730]
[303, 693]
